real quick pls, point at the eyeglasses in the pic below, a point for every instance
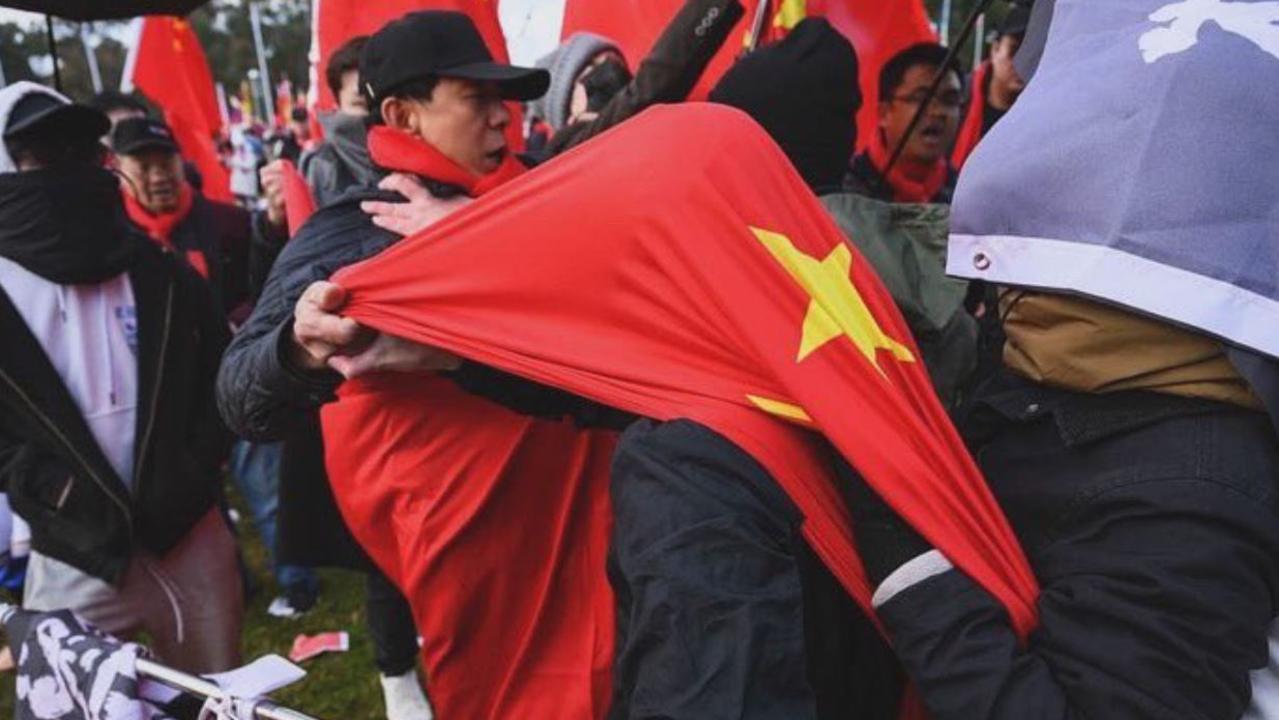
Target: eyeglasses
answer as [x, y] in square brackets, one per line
[947, 100]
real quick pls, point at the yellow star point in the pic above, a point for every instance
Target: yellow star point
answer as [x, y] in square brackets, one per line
[837, 308]
[790, 14]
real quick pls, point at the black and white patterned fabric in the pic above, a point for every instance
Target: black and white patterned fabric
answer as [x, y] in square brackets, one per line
[67, 670]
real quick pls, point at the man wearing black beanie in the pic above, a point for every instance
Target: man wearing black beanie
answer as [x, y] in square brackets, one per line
[804, 91]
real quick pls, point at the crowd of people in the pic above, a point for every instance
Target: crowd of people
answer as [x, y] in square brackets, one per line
[162, 340]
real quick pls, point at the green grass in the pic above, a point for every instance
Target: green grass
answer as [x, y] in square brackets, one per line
[337, 686]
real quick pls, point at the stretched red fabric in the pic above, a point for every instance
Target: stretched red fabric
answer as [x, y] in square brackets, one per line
[678, 267]
[169, 67]
[299, 205]
[970, 132]
[877, 29]
[333, 22]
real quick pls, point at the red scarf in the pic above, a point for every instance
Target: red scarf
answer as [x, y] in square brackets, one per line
[160, 227]
[399, 151]
[970, 131]
[910, 181]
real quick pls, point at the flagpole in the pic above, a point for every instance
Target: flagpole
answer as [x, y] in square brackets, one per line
[943, 24]
[53, 51]
[979, 40]
[757, 25]
[942, 71]
[91, 57]
[268, 98]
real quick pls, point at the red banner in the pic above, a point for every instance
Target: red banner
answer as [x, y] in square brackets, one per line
[168, 66]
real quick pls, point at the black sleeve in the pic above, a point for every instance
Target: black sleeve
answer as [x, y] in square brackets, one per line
[265, 243]
[669, 72]
[1158, 607]
[529, 398]
[261, 396]
[210, 441]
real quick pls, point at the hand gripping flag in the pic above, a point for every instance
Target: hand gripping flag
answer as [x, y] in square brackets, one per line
[678, 267]
[1138, 167]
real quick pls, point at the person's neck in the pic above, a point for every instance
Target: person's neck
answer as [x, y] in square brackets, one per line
[1000, 96]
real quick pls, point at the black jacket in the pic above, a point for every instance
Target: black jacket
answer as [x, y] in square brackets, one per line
[1152, 525]
[56, 476]
[668, 73]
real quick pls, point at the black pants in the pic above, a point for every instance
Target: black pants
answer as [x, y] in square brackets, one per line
[723, 611]
[391, 626]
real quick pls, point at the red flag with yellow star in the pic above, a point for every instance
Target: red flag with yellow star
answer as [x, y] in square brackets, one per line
[678, 267]
[167, 65]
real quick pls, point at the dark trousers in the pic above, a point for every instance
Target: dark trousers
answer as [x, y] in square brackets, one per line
[723, 611]
[391, 626]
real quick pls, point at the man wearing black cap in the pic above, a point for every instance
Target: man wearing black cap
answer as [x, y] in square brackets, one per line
[229, 246]
[110, 443]
[993, 86]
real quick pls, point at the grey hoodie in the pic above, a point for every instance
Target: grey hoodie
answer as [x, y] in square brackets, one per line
[341, 162]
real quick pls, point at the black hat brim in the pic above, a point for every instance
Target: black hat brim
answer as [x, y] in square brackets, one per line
[134, 148]
[514, 83]
[66, 120]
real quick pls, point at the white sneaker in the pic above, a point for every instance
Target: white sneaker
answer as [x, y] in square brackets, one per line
[404, 697]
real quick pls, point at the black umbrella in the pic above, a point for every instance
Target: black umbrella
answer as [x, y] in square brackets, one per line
[84, 10]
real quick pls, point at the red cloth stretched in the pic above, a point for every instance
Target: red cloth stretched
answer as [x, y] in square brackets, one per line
[299, 205]
[679, 267]
[970, 132]
[910, 181]
[168, 66]
[877, 29]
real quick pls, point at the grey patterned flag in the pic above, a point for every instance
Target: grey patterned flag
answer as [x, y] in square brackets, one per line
[69, 671]
[1140, 167]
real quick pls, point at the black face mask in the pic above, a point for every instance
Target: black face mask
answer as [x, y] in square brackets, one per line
[65, 224]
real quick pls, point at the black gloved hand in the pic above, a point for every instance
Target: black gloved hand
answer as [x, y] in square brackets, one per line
[884, 540]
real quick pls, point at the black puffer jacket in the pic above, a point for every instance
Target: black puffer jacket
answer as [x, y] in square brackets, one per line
[56, 476]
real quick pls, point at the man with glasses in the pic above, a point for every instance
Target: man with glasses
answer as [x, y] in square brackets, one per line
[922, 173]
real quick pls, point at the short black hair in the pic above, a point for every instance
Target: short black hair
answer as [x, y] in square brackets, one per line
[419, 89]
[343, 60]
[109, 101]
[925, 53]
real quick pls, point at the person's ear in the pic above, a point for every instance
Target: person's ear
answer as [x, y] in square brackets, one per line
[885, 109]
[398, 113]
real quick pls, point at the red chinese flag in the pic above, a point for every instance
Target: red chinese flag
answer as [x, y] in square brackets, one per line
[675, 267]
[168, 66]
[335, 21]
[877, 28]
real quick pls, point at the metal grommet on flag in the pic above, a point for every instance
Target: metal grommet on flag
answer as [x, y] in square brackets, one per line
[981, 261]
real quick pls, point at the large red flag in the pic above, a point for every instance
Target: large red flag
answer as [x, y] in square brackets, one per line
[168, 66]
[677, 267]
[333, 22]
[877, 29]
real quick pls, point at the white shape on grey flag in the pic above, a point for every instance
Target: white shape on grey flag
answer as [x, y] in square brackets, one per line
[1180, 23]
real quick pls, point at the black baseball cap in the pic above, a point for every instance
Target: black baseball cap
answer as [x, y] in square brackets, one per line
[45, 111]
[133, 135]
[443, 44]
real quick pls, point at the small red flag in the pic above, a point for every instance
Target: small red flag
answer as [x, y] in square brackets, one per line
[168, 66]
[677, 267]
[299, 205]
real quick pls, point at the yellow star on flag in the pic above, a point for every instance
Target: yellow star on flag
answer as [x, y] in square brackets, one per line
[790, 14]
[837, 308]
